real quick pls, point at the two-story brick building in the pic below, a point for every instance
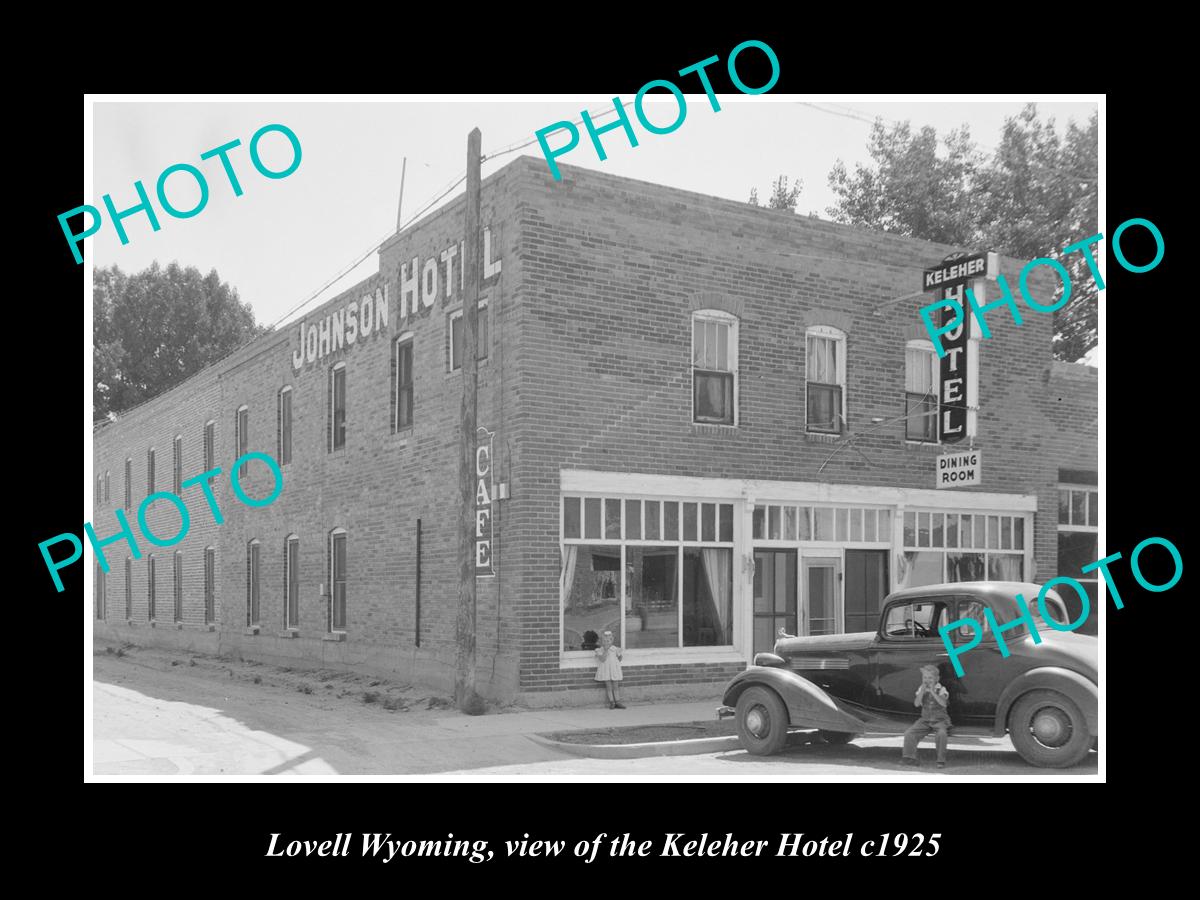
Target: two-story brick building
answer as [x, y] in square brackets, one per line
[709, 420]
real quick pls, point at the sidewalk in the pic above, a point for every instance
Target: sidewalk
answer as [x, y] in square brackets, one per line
[170, 721]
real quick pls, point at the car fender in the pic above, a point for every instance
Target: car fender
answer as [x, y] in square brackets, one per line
[1053, 678]
[807, 704]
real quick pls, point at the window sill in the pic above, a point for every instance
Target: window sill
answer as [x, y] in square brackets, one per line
[586, 659]
[454, 373]
[823, 437]
[932, 445]
[713, 428]
[153, 623]
[179, 626]
[289, 633]
[251, 629]
[336, 636]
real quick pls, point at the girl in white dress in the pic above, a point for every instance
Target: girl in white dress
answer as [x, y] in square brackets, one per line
[608, 670]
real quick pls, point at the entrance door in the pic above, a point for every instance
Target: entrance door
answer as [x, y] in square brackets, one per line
[822, 579]
[866, 587]
[774, 596]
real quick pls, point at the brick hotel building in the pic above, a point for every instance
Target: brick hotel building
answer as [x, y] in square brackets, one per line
[708, 419]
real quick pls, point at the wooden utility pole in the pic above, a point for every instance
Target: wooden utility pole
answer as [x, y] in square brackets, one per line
[464, 680]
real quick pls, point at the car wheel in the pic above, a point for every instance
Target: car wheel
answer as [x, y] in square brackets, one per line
[1049, 729]
[762, 721]
[837, 737]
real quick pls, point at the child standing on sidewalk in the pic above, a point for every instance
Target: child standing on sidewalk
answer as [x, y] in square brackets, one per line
[608, 670]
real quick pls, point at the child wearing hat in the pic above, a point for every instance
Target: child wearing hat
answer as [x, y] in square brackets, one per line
[933, 700]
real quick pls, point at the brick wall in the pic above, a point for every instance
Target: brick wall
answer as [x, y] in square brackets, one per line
[588, 367]
[611, 271]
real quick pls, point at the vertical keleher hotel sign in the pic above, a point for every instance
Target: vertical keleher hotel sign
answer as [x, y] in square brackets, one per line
[949, 280]
[485, 495]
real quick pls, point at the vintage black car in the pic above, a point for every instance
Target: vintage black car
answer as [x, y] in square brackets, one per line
[844, 685]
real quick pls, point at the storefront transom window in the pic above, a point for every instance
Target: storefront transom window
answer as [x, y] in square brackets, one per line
[944, 547]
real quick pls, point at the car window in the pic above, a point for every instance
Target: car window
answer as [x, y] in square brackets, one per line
[971, 609]
[918, 620]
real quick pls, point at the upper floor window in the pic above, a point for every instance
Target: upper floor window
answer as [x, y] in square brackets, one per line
[402, 384]
[714, 367]
[283, 427]
[149, 471]
[337, 407]
[177, 464]
[456, 336]
[921, 377]
[99, 488]
[210, 428]
[825, 385]
[107, 485]
[241, 431]
[128, 483]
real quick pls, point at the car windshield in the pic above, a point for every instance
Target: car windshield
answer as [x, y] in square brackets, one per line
[920, 619]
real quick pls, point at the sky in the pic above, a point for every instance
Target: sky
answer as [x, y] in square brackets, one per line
[284, 239]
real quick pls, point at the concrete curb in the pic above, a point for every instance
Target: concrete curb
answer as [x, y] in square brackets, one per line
[689, 747]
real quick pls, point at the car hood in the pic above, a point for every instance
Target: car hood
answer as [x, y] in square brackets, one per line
[824, 643]
[1078, 652]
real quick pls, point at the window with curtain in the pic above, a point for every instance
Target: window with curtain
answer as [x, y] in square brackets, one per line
[825, 381]
[921, 379]
[658, 574]
[941, 547]
[714, 367]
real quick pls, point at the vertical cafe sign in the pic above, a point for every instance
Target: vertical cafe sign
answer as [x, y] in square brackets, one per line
[485, 494]
[949, 280]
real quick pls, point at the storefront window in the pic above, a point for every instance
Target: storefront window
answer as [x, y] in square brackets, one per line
[658, 578]
[977, 548]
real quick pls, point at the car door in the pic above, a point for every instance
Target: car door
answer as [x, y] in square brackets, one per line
[985, 672]
[908, 639]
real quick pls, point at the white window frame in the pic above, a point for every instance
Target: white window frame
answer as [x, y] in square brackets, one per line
[1092, 577]
[450, 319]
[935, 385]
[730, 320]
[329, 613]
[839, 336]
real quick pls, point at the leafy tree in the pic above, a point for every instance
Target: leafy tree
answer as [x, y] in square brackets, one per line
[153, 329]
[782, 197]
[1035, 194]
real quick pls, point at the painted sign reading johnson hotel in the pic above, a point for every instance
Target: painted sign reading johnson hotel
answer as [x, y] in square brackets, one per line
[420, 284]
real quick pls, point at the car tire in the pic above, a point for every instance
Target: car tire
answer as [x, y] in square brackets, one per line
[1048, 729]
[837, 737]
[762, 721]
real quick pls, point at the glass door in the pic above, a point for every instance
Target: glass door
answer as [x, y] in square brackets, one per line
[774, 596]
[822, 579]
